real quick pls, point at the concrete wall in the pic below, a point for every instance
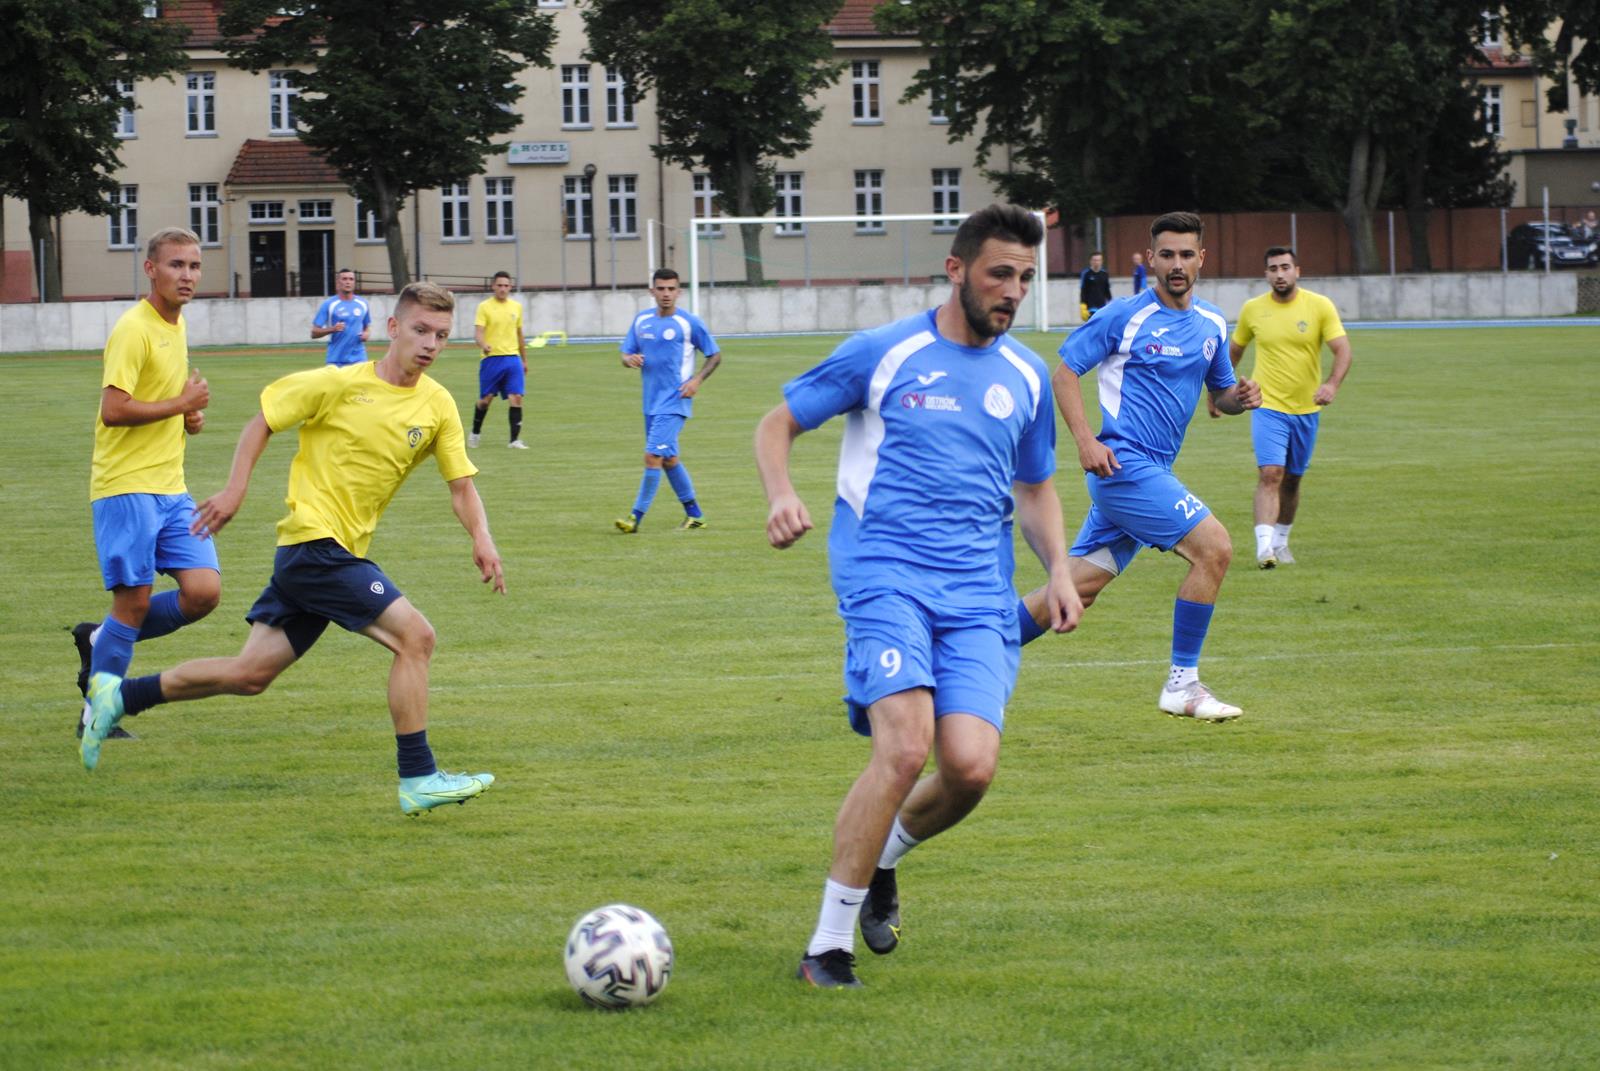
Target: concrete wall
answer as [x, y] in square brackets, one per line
[738, 310]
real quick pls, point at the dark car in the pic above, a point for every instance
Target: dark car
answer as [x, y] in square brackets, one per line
[1528, 245]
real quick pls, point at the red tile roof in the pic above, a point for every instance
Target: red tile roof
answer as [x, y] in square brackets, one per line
[855, 19]
[280, 162]
[200, 16]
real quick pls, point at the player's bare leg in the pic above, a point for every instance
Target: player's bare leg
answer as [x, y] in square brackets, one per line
[1288, 506]
[1268, 510]
[1089, 580]
[265, 655]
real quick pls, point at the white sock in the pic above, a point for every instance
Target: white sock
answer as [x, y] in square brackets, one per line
[1182, 677]
[836, 925]
[1263, 538]
[87, 715]
[1280, 535]
[899, 843]
[94, 637]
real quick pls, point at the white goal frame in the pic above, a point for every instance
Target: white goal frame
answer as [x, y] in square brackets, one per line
[1041, 288]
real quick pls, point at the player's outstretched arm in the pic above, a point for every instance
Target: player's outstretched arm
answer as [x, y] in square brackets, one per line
[215, 512]
[787, 518]
[470, 512]
[1243, 395]
[1038, 512]
[1094, 455]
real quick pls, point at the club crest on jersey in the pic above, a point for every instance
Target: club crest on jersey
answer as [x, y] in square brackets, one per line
[998, 403]
[1303, 326]
[413, 436]
[1210, 348]
[669, 334]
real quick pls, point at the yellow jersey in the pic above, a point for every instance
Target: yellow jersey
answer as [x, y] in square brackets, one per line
[502, 325]
[360, 437]
[148, 358]
[1289, 337]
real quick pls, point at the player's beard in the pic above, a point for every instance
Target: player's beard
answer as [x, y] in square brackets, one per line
[979, 320]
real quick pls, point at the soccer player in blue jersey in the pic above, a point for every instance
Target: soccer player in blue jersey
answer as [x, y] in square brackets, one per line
[948, 432]
[1155, 351]
[661, 344]
[344, 320]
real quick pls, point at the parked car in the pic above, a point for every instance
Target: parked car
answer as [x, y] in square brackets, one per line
[1529, 244]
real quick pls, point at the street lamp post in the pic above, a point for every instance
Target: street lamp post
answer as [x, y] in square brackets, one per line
[588, 178]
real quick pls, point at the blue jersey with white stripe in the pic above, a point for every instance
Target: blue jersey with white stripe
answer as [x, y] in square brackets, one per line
[935, 435]
[1153, 361]
[668, 344]
[345, 347]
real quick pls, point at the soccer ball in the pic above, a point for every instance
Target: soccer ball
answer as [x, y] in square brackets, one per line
[618, 957]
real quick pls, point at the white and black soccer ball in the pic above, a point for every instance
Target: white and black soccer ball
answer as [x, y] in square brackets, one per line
[619, 956]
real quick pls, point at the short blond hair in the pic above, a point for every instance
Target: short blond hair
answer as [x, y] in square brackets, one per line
[169, 236]
[428, 295]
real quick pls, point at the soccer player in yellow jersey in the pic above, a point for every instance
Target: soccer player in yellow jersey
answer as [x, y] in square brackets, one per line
[1289, 325]
[363, 429]
[504, 367]
[150, 400]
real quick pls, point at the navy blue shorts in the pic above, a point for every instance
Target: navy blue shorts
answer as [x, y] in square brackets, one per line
[500, 374]
[318, 582]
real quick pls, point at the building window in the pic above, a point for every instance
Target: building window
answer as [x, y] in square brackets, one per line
[577, 194]
[705, 205]
[266, 212]
[499, 218]
[575, 96]
[864, 87]
[1492, 35]
[947, 197]
[123, 222]
[939, 108]
[152, 11]
[869, 201]
[1489, 96]
[619, 99]
[622, 201]
[200, 100]
[369, 225]
[281, 94]
[791, 200]
[205, 212]
[127, 127]
[316, 211]
[455, 212]
[552, 3]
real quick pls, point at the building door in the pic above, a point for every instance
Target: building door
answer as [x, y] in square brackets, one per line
[316, 263]
[266, 264]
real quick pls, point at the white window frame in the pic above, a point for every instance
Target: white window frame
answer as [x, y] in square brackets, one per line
[455, 211]
[577, 200]
[938, 108]
[200, 104]
[869, 201]
[122, 223]
[127, 122]
[622, 206]
[866, 92]
[619, 101]
[1492, 100]
[369, 225]
[791, 201]
[575, 113]
[499, 209]
[552, 3]
[281, 95]
[318, 210]
[947, 198]
[205, 212]
[705, 204]
[267, 214]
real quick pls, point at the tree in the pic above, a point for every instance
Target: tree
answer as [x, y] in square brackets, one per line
[733, 82]
[1527, 21]
[60, 61]
[405, 95]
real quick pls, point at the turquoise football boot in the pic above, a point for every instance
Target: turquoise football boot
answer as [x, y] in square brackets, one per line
[418, 795]
[105, 710]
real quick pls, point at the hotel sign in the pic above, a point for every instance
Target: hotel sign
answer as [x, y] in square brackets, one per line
[538, 152]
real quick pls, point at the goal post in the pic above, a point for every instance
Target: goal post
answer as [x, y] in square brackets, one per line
[845, 251]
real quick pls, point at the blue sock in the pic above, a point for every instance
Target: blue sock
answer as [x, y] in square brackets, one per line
[413, 754]
[114, 649]
[1027, 628]
[647, 492]
[678, 476]
[1190, 620]
[164, 616]
[141, 693]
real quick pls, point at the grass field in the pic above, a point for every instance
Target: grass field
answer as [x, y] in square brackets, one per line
[1390, 862]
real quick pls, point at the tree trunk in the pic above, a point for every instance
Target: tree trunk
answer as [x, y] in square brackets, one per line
[1417, 204]
[42, 235]
[1368, 163]
[746, 175]
[394, 238]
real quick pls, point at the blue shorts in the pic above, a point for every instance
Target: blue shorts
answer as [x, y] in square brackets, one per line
[317, 582]
[893, 642]
[1285, 439]
[138, 536]
[1141, 505]
[661, 434]
[500, 375]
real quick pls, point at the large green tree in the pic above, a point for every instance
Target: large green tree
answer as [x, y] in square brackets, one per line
[60, 61]
[400, 96]
[1562, 37]
[733, 84]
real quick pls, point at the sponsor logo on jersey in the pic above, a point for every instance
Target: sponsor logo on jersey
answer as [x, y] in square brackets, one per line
[998, 403]
[939, 403]
[931, 378]
[1158, 332]
[1154, 349]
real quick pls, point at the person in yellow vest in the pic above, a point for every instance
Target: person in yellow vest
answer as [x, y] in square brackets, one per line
[364, 428]
[1289, 325]
[504, 367]
[150, 402]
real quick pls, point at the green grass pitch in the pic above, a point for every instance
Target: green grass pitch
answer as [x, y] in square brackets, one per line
[1390, 862]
